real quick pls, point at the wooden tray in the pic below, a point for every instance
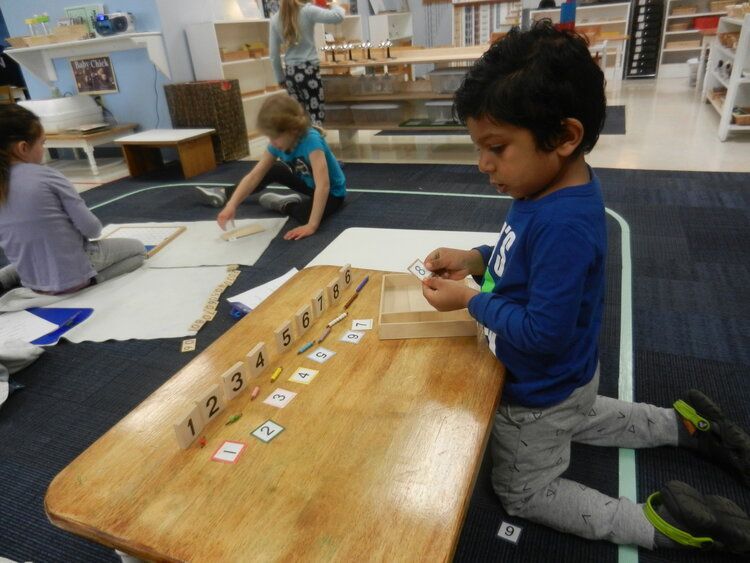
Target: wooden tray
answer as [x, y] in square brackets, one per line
[405, 313]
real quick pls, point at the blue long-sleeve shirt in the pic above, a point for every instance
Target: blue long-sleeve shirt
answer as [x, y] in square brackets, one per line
[44, 229]
[543, 292]
[304, 50]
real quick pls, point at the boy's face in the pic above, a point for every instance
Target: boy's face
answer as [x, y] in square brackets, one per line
[510, 158]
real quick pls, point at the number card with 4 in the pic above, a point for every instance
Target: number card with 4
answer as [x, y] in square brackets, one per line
[280, 398]
[256, 359]
[303, 375]
[267, 431]
[321, 355]
[228, 452]
[418, 269]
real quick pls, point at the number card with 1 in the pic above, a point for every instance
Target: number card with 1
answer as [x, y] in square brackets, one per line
[352, 336]
[189, 427]
[280, 398]
[211, 404]
[303, 375]
[267, 431]
[509, 532]
[362, 324]
[418, 269]
[321, 355]
[233, 381]
[228, 452]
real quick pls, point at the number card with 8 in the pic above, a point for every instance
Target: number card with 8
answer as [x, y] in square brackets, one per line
[418, 269]
[334, 291]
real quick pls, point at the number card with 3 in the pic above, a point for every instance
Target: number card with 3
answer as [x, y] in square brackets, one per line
[321, 355]
[418, 269]
[509, 532]
[280, 398]
[267, 431]
[352, 336]
[303, 375]
[234, 380]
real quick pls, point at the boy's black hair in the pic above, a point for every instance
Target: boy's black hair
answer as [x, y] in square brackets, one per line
[535, 79]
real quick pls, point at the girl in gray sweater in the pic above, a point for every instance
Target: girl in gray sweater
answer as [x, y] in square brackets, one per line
[45, 226]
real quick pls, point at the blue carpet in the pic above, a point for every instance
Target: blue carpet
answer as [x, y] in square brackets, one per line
[691, 328]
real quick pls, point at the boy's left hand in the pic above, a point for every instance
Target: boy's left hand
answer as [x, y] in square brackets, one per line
[447, 295]
[300, 232]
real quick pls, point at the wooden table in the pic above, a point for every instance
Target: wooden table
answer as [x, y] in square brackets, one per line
[194, 147]
[87, 142]
[377, 459]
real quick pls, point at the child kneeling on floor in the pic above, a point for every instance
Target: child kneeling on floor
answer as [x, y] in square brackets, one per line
[298, 157]
[534, 104]
[45, 226]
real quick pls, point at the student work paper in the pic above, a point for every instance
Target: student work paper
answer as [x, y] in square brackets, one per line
[255, 296]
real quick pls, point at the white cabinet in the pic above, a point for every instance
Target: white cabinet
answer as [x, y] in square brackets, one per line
[681, 38]
[727, 90]
[213, 48]
[348, 31]
[394, 26]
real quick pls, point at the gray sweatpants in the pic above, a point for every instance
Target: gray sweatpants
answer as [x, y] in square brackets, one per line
[531, 449]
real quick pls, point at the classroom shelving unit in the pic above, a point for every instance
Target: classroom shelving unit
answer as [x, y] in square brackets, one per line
[396, 26]
[725, 91]
[681, 39]
[607, 23]
[643, 48]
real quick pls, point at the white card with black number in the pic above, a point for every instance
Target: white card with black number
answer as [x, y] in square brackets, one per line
[509, 532]
[280, 398]
[303, 375]
[267, 431]
[362, 324]
[418, 269]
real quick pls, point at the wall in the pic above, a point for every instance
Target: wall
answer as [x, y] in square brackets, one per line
[141, 96]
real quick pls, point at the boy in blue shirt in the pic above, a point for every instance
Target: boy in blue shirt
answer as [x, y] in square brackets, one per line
[534, 104]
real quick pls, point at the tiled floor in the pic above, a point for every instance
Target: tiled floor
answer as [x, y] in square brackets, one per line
[667, 128]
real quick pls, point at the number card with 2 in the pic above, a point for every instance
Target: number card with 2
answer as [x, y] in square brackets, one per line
[303, 375]
[228, 452]
[352, 336]
[418, 269]
[211, 404]
[267, 431]
[280, 398]
[321, 355]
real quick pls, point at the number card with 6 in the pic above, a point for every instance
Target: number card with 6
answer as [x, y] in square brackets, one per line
[189, 427]
[211, 404]
[303, 319]
[418, 269]
[345, 274]
[234, 380]
[267, 431]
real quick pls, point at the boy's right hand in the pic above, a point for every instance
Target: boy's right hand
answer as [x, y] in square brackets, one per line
[454, 264]
[225, 215]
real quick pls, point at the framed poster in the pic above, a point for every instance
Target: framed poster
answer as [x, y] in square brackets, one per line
[86, 14]
[94, 75]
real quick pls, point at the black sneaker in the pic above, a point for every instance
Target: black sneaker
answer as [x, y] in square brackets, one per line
[278, 202]
[713, 436]
[215, 197]
[690, 519]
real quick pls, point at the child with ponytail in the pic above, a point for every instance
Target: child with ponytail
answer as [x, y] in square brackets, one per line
[45, 226]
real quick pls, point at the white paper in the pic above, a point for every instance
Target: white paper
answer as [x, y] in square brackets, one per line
[255, 296]
[280, 398]
[23, 326]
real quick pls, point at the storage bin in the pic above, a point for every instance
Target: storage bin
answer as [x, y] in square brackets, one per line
[439, 110]
[60, 114]
[679, 26]
[684, 10]
[338, 113]
[377, 113]
[337, 85]
[211, 103]
[447, 80]
[709, 22]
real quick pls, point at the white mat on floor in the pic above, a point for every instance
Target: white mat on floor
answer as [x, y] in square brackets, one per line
[145, 304]
[392, 250]
[201, 243]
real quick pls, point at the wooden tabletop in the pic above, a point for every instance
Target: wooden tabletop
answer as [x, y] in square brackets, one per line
[377, 459]
[69, 136]
[164, 136]
[403, 56]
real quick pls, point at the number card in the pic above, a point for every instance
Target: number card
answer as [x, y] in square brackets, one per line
[303, 375]
[267, 431]
[280, 398]
[419, 269]
[321, 355]
[303, 319]
[345, 275]
[284, 336]
[318, 303]
[352, 336]
[509, 532]
[189, 427]
[362, 324]
[228, 452]
[211, 404]
[233, 381]
[188, 345]
[256, 360]
[334, 291]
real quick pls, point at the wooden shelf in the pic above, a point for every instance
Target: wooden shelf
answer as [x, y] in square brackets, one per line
[699, 15]
[408, 56]
[396, 96]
